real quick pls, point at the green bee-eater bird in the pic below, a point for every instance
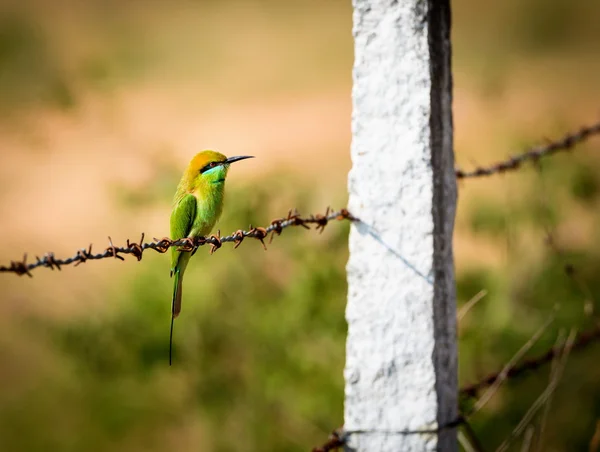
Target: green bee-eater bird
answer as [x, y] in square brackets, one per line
[197, 206]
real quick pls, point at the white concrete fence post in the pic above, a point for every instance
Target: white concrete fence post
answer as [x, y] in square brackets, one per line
[401, 368]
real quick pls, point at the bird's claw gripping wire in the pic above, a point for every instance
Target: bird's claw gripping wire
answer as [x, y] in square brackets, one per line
[195, 249]
[162, 245]
[186, 244]
[293, 218]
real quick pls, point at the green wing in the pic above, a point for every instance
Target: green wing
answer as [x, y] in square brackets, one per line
[182, 220]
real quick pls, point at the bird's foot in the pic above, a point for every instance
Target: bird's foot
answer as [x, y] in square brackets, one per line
[187, 245]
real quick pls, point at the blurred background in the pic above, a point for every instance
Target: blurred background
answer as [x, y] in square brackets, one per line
[103, 103]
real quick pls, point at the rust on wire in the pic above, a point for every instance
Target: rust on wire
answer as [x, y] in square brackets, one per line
[49, 261]
[334, 442]
[259, 234]
[20, 267]
[321, 220]
[585, 339]
[293, 218]
[83, 255]
[113, 251]
[339, 437]
[238, 238]
[137, 249]
[216, 242]
[566, 143]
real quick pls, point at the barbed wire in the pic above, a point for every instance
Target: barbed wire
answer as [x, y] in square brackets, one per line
[49, 260]
[338, 438]
[186, 244]
[335, 440]
[565, 143]
[583, 340]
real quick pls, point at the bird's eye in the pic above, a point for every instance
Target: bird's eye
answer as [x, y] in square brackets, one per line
[209, 166]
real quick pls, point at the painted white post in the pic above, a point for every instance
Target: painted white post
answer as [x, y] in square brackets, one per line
[401, 368]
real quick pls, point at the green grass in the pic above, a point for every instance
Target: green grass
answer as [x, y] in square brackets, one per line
[259, 347]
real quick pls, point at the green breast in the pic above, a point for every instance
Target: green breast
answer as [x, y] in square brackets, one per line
[209, 209]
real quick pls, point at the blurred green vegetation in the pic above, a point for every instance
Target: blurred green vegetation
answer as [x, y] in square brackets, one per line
[548, 270]
[259, 347]
[258, 357]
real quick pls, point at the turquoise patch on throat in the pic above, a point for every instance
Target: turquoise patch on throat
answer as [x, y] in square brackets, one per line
[215, 175]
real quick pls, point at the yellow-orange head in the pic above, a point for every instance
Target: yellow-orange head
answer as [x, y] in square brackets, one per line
[206, 169]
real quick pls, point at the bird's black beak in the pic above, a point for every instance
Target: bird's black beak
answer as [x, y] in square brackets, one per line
[237, 159]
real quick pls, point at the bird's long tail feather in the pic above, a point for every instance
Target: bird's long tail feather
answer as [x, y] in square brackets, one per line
[171, 341]
[175, 306]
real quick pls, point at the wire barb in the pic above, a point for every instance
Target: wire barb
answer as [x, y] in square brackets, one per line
[137, 249]
[113, 251]
[82, 255]
[585, 339]
[534, 154]
[259, 234]
[334, 442]
[238, 238]
[20, 267]
[215, 242]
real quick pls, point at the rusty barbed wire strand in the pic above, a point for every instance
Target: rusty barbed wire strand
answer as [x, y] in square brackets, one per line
[566, 143]
[335, 441]
[276, 226]
[339, 436]
[583, 340]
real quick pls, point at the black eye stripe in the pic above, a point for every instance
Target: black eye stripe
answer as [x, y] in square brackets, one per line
[209, 166]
